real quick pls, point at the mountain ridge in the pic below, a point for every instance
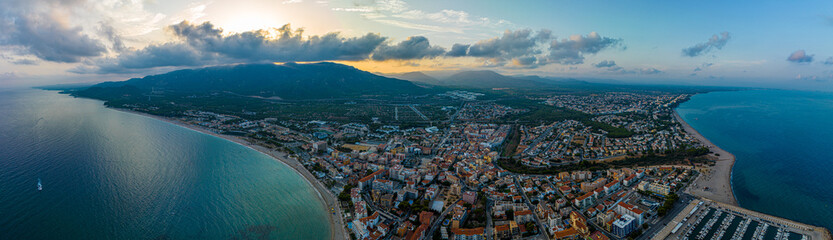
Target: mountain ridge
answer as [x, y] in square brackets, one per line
[287, 81]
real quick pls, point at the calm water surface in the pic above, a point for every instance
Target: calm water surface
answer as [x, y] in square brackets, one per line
[783, 141]
[113, 175]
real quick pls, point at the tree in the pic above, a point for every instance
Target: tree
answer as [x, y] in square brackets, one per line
[530, 226]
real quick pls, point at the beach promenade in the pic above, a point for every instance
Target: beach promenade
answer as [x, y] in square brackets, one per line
[716, 182]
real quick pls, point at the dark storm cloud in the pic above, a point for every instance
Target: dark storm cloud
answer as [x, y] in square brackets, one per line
[416, 47]
[288, 45]
[800, 57]
[572, 50]
[605, 64]
[715, 42]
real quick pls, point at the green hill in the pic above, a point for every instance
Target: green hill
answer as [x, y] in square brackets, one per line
[286, 81]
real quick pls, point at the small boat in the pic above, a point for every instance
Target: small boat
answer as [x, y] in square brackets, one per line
[40, 187]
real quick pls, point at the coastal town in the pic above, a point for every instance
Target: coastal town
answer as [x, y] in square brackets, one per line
[474, 176]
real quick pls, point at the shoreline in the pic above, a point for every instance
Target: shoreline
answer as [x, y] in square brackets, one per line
[328, 199]
[718, 179]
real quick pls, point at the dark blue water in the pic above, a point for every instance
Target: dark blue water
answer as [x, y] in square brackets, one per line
[783, 141]
[113, 175]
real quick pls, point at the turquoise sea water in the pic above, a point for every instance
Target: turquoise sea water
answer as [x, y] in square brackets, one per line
[783, 142]
[112, 175]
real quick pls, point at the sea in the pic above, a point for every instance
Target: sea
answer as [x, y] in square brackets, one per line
[783, 144]
[108, 174]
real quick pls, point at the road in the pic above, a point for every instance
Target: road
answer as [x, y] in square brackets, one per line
[418, 112]
[542, 231]
[679, 206]
[384, 213]
[541, 137]
[434, 225]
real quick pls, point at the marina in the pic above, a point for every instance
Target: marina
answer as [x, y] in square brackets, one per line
[706, 220]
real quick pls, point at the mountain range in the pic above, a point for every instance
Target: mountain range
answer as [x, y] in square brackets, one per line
[485, 79]
[286, 81]
[323, 80]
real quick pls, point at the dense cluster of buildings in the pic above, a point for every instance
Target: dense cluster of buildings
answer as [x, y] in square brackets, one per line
[570, 141]
[430, 182]
[616, 102]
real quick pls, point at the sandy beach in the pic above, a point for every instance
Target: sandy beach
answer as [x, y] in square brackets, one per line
[327, 198]
[716, 182]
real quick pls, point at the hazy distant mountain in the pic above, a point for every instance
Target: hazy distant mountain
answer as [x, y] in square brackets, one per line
[556, 81]
[488, 79]
[287, 81]
[418, 77]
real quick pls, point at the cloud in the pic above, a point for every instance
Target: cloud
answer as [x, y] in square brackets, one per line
[650, 71]
[416, 47]
[458, 50]
[51, 30]
[110, 33]
[572, 50]
[280, 44]
[814, 78]
[512, 44]
[800, 57]
[398, 13]
[25, 61]
[47, 38]
[829, 61]
[703, 66]
[152, 56]
[206, 44]
[644, 71]
[531, 49]
[352, 9]
[605, 64]
[519, 47]
[715, 42]
[7, 76]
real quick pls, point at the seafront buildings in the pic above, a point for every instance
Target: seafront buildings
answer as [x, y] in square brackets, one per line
[447, 182]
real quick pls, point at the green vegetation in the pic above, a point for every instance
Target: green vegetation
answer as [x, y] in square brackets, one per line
[477, 218]
[344, 196]
[613, 132]
[544, 114]
[679, 156]
[668, 204]
[511, 145]
[287, 81]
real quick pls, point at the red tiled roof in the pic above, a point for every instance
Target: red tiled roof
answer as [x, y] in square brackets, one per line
[467, 231]
[565, 233]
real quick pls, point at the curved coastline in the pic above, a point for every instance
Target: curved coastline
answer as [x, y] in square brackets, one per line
[328, 200]
[718, 179]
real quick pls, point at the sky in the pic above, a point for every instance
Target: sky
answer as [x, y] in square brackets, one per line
[773, 44]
